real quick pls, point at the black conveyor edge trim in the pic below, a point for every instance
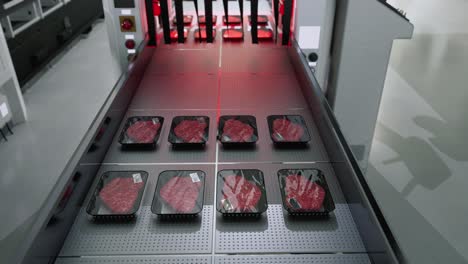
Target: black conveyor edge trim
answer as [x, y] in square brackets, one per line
[165, 21]
[287, 21]
[151, 23]
[179, 9]
[254, 20]
[209, 20]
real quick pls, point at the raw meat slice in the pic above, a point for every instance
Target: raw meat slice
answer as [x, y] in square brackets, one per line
[302, 194]
[191, 131]
[240, 195]
[120, 194]
[264, 34]
[143, 131]
[237, 131]
[233, 19]
[232, 34]
[181, 193]
[260, 20]
[285, 130]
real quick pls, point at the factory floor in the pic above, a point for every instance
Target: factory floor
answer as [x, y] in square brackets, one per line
[419, 157]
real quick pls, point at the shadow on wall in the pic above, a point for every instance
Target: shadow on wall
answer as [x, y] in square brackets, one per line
[425, 165]
[435, 67]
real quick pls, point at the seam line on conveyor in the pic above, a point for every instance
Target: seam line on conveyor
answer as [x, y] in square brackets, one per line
[218, 113]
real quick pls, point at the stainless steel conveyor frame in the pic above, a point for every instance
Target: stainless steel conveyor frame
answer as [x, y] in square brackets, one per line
[355, 233]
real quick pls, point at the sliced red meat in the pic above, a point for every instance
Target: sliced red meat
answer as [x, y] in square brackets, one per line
[285, 130]
[240, 195]
[181, 193]
[232, 34]
[264, 33]
[120, 194]
[237, 131]
[143, 131]
[233, 19]
[303, 194]
[191, 131]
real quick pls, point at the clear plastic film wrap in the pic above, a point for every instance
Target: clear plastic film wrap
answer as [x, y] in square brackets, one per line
[141, 131]
[288, 129]
[305, 192]
[118, 194]
[241, 192]
[179, 193]
[189, 130]
[237, 130]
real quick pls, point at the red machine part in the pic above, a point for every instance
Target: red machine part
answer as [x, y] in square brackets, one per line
[127, 24]
[130, 44]
[156, 8]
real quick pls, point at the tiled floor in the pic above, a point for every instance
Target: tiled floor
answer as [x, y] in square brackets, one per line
[419, 157]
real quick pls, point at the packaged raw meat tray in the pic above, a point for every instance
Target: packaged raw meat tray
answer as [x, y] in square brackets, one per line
[141, 131]
[237, 130]
[175, 34]
[233, 20]
[261, 20]
[202, 20]
[203, 34]
[189, 131]
[265, 34]
[233, 34]
[288, 129]
[187, 20]
[305, 192]
[179, 193]
[118, 194]
[241, 193]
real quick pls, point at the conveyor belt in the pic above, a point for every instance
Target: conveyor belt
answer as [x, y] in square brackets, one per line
[223, 78]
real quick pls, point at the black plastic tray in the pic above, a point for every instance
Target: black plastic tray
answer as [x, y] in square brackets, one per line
[224, 206]
[128, 142]
[240, 37]
[202, 20]
[311, 175]
[187, 20]
[228, 141]
[296, 119]
[162, 206]
[261, 20]
[98, 209]
[179, 142]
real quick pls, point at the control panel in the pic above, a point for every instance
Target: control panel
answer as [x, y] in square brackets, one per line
[126, 27]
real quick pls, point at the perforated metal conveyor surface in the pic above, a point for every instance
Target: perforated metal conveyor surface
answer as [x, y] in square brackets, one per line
[213, 80]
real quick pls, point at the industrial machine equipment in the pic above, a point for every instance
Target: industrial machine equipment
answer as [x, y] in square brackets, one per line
[174, 78]
[37, 30]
